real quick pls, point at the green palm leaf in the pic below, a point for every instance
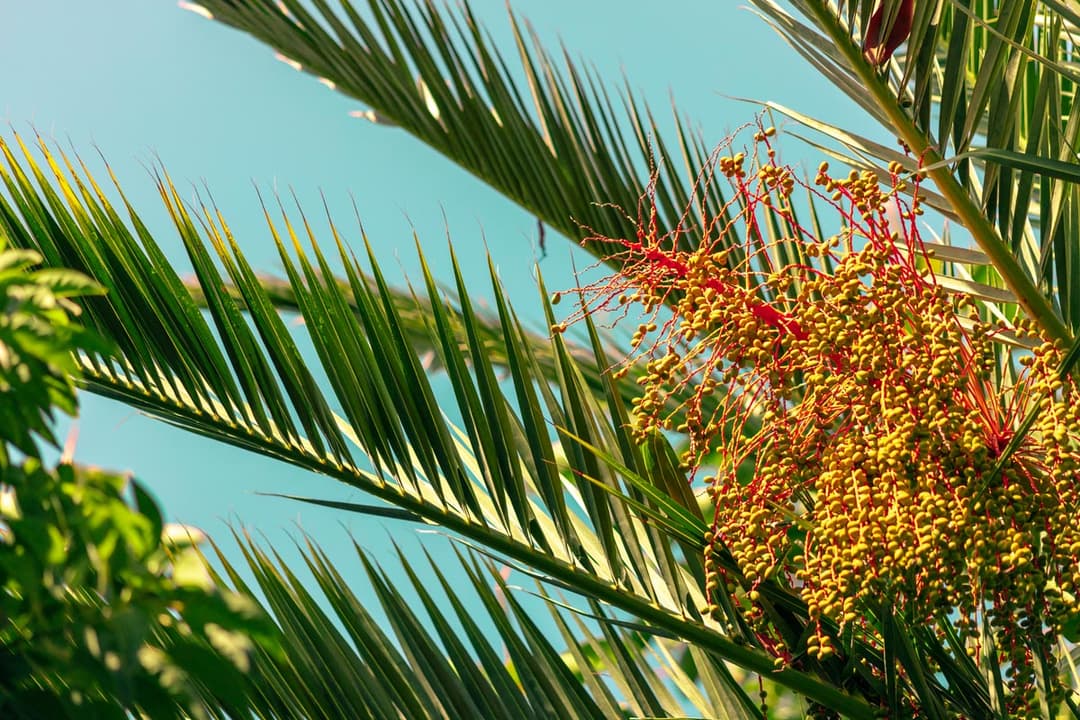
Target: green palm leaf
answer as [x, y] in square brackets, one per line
[560, 150]
[435, 661]
[593, 523]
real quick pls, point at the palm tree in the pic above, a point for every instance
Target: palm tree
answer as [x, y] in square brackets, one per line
[546, 473]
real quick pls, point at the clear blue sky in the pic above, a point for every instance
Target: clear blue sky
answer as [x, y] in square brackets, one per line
[143, 79]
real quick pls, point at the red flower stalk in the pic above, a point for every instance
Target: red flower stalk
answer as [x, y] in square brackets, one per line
[883, 37]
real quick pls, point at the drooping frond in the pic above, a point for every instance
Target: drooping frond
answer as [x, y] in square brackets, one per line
[522, 475]
[561, 148]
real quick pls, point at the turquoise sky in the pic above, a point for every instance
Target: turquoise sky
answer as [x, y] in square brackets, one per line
[143, 80]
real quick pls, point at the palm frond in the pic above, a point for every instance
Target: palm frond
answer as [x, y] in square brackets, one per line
[561, 149]
[598, 525]
[435, 660]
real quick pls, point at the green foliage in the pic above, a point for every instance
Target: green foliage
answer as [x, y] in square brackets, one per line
[100, 617]
[37, 340]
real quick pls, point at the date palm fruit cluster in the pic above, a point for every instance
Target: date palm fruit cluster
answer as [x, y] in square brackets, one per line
[849, 416]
